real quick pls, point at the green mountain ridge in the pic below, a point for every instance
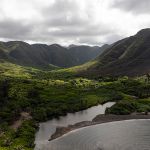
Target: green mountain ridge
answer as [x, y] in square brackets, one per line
[130, 56]
[47, 56]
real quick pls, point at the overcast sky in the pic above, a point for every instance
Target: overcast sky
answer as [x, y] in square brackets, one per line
[67, 22]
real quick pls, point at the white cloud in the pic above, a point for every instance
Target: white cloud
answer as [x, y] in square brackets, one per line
[72, 21]
[134, 6]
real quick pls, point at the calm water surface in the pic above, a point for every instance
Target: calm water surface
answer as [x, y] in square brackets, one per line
[48, 128]
[123, 135]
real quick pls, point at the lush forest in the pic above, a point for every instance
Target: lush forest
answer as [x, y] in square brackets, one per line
[41, 97]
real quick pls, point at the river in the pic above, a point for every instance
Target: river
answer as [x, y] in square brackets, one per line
[46, 129]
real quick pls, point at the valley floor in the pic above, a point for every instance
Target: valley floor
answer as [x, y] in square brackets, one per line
[41, 97]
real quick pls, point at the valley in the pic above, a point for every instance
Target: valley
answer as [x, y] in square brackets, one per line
[34, 90]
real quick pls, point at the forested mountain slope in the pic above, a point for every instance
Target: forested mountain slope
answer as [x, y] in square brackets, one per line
[130, 56]
[45, 56]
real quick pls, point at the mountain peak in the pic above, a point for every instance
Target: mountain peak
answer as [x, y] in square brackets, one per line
[144, 32]
[130, 56]
[41, 55]
[56, 45]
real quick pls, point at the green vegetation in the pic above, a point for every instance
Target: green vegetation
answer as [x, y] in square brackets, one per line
[66, 72]
[29, 95]
[129, 106]
[45, 95]
[22, 139]
[48, 57]
[13, 70]
[137, 99]
[43, 100]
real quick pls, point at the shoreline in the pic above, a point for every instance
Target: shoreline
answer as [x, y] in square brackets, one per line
[99, 119]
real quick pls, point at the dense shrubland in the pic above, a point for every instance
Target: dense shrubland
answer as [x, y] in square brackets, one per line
[136, 98]
[45, 98]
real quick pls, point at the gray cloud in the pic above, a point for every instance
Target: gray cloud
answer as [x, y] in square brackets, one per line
[82, 31]
[70, 21]
[92, 41]
[113, 37]
[65, 13]
[14, 29]
[135, 6]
